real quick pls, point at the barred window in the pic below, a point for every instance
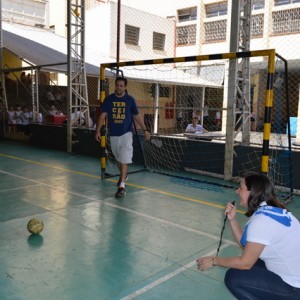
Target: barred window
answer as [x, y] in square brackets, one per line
[257, 25]
[215, 31]
[132, 35]
[216, 9]
[186, 35]
[159, 41]
[285, 2]
[286, 21]
[187, 14]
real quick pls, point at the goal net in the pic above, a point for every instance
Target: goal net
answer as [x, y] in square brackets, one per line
[211, 117]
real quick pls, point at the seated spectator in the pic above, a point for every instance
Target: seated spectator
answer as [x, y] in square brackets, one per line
[195, 127]
[52, 111]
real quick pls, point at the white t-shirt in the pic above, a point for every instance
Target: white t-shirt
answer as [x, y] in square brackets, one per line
[197, 129]
[18, 117]
[25, 116]
[10, 116]
[282, 246]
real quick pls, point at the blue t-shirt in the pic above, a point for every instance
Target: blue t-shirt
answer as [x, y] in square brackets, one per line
[119, 113]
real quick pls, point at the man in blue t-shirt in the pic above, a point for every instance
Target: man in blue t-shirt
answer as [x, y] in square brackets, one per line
[120, 109]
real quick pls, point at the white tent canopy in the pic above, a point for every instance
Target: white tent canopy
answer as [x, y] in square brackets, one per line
[42, 47]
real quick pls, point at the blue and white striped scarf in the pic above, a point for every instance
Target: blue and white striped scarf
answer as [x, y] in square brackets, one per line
[278, 214]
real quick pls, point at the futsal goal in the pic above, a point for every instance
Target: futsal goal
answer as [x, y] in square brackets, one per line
[240, 99]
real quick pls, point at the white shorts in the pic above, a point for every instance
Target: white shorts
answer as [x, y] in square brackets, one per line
[121, 147]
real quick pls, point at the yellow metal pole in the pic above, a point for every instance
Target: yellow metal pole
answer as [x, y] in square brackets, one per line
[268, 110]
[103, 135]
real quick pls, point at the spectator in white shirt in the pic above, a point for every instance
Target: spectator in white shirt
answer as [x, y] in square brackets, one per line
[195, 127]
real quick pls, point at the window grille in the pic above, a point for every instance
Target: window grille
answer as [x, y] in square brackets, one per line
[215, 31]
[286, 21]
[186, 35]
[257, 25]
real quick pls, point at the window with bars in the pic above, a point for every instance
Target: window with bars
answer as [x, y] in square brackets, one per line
[132, 35]
[257, 25]
[187, 14]
[285, 2]
[216, 9]
[159, 41]
[186, 35]
[286, 21]
[215, 31]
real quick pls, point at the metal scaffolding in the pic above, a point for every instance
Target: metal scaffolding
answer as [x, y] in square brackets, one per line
[238, 82]
[78, 104]
[243, 87]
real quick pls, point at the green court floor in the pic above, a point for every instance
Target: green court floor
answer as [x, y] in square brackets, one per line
[95, 246]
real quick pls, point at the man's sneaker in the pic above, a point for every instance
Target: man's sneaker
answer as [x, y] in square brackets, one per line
[120, 192]
[119, 182]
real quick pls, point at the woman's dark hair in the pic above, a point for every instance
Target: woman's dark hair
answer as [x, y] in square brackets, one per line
[261, 189]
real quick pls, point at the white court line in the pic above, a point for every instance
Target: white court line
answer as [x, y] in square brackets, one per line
[20, 188]
[167, 277]
[199, 232]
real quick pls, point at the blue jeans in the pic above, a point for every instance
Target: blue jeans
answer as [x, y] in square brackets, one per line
[259, 283]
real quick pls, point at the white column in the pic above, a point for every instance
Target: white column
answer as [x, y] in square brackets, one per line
[156, 103]
[297, 142]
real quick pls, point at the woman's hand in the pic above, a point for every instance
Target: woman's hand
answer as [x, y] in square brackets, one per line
[205, 263]
[230, 211]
